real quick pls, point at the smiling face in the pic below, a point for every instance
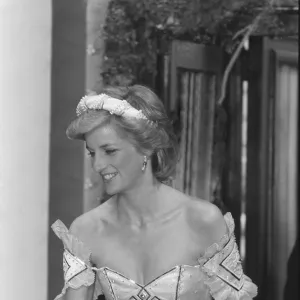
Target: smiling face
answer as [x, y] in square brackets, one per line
[115, 159]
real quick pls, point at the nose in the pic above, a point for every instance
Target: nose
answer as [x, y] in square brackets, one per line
[99, 163]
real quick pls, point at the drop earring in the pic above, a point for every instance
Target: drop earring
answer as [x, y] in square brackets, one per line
[144, 163]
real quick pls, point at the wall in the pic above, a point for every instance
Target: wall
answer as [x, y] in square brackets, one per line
[25, 60]
[95, 20]
[66, 157]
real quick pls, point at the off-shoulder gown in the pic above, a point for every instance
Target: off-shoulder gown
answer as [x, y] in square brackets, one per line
[218, 274]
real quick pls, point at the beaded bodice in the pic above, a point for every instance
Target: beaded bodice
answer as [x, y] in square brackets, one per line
[181, 282]
[218, 274]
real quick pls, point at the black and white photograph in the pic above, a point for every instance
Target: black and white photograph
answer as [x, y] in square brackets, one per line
[149, 149]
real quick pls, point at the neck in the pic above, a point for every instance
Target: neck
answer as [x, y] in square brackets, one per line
[142, 204]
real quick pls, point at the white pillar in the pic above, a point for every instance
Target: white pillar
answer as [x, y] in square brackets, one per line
[25, 66]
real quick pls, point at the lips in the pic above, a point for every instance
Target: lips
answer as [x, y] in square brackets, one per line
[109, 176]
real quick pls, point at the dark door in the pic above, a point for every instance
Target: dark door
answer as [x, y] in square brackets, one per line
[195, 75]
[271, 163]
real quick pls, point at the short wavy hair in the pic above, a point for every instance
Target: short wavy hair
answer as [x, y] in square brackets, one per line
[155, 139]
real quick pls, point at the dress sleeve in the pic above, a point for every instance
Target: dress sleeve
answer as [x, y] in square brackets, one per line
[223, 269]
[77, 267]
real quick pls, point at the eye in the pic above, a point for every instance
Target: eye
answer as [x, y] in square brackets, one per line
[91, 154]
[110, 151]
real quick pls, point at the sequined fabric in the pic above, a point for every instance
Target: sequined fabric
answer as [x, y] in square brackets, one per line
[181, 282]
[219, 274]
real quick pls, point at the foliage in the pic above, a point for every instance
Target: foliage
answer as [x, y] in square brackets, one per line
[133, 27]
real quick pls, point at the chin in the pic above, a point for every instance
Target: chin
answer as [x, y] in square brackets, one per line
[113, 188]
[118, 186]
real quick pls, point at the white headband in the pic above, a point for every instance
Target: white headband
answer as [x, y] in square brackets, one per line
[114, 106]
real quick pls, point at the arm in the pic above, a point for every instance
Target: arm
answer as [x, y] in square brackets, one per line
[79, 277]
[83, 293]
[221, 262]
[207, 219]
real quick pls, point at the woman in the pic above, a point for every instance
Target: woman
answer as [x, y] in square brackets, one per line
[148, 241]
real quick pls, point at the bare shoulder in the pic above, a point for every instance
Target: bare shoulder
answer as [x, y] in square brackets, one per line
[91, 221]
[206, 219]
[202, 216]
[204, 211]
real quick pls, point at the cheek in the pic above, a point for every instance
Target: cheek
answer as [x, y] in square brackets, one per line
[129, 164]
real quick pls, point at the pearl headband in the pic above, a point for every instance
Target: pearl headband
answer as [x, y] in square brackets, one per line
[114, 106]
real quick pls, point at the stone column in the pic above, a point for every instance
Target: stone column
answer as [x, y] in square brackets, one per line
[25, 66]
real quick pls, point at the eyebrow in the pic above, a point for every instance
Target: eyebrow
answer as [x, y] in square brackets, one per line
[101, 146]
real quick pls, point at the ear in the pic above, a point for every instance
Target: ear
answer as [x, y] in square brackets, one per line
[147, 153]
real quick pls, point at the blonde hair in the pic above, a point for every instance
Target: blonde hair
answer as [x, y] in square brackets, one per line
[156, 137]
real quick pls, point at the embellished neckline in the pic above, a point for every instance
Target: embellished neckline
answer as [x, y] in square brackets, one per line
[81, 250]
[179, 268]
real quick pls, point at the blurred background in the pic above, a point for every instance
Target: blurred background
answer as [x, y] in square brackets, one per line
[227, 72]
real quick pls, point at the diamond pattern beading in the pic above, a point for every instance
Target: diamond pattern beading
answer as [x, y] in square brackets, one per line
[72, 265]
[144, 295]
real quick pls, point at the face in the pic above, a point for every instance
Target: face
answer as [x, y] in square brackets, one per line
[115, 159]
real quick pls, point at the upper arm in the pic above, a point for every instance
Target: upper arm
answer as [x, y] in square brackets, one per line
[83, 293]
[215, 223]
[207, 221]
[77, 229]
[221, 265]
